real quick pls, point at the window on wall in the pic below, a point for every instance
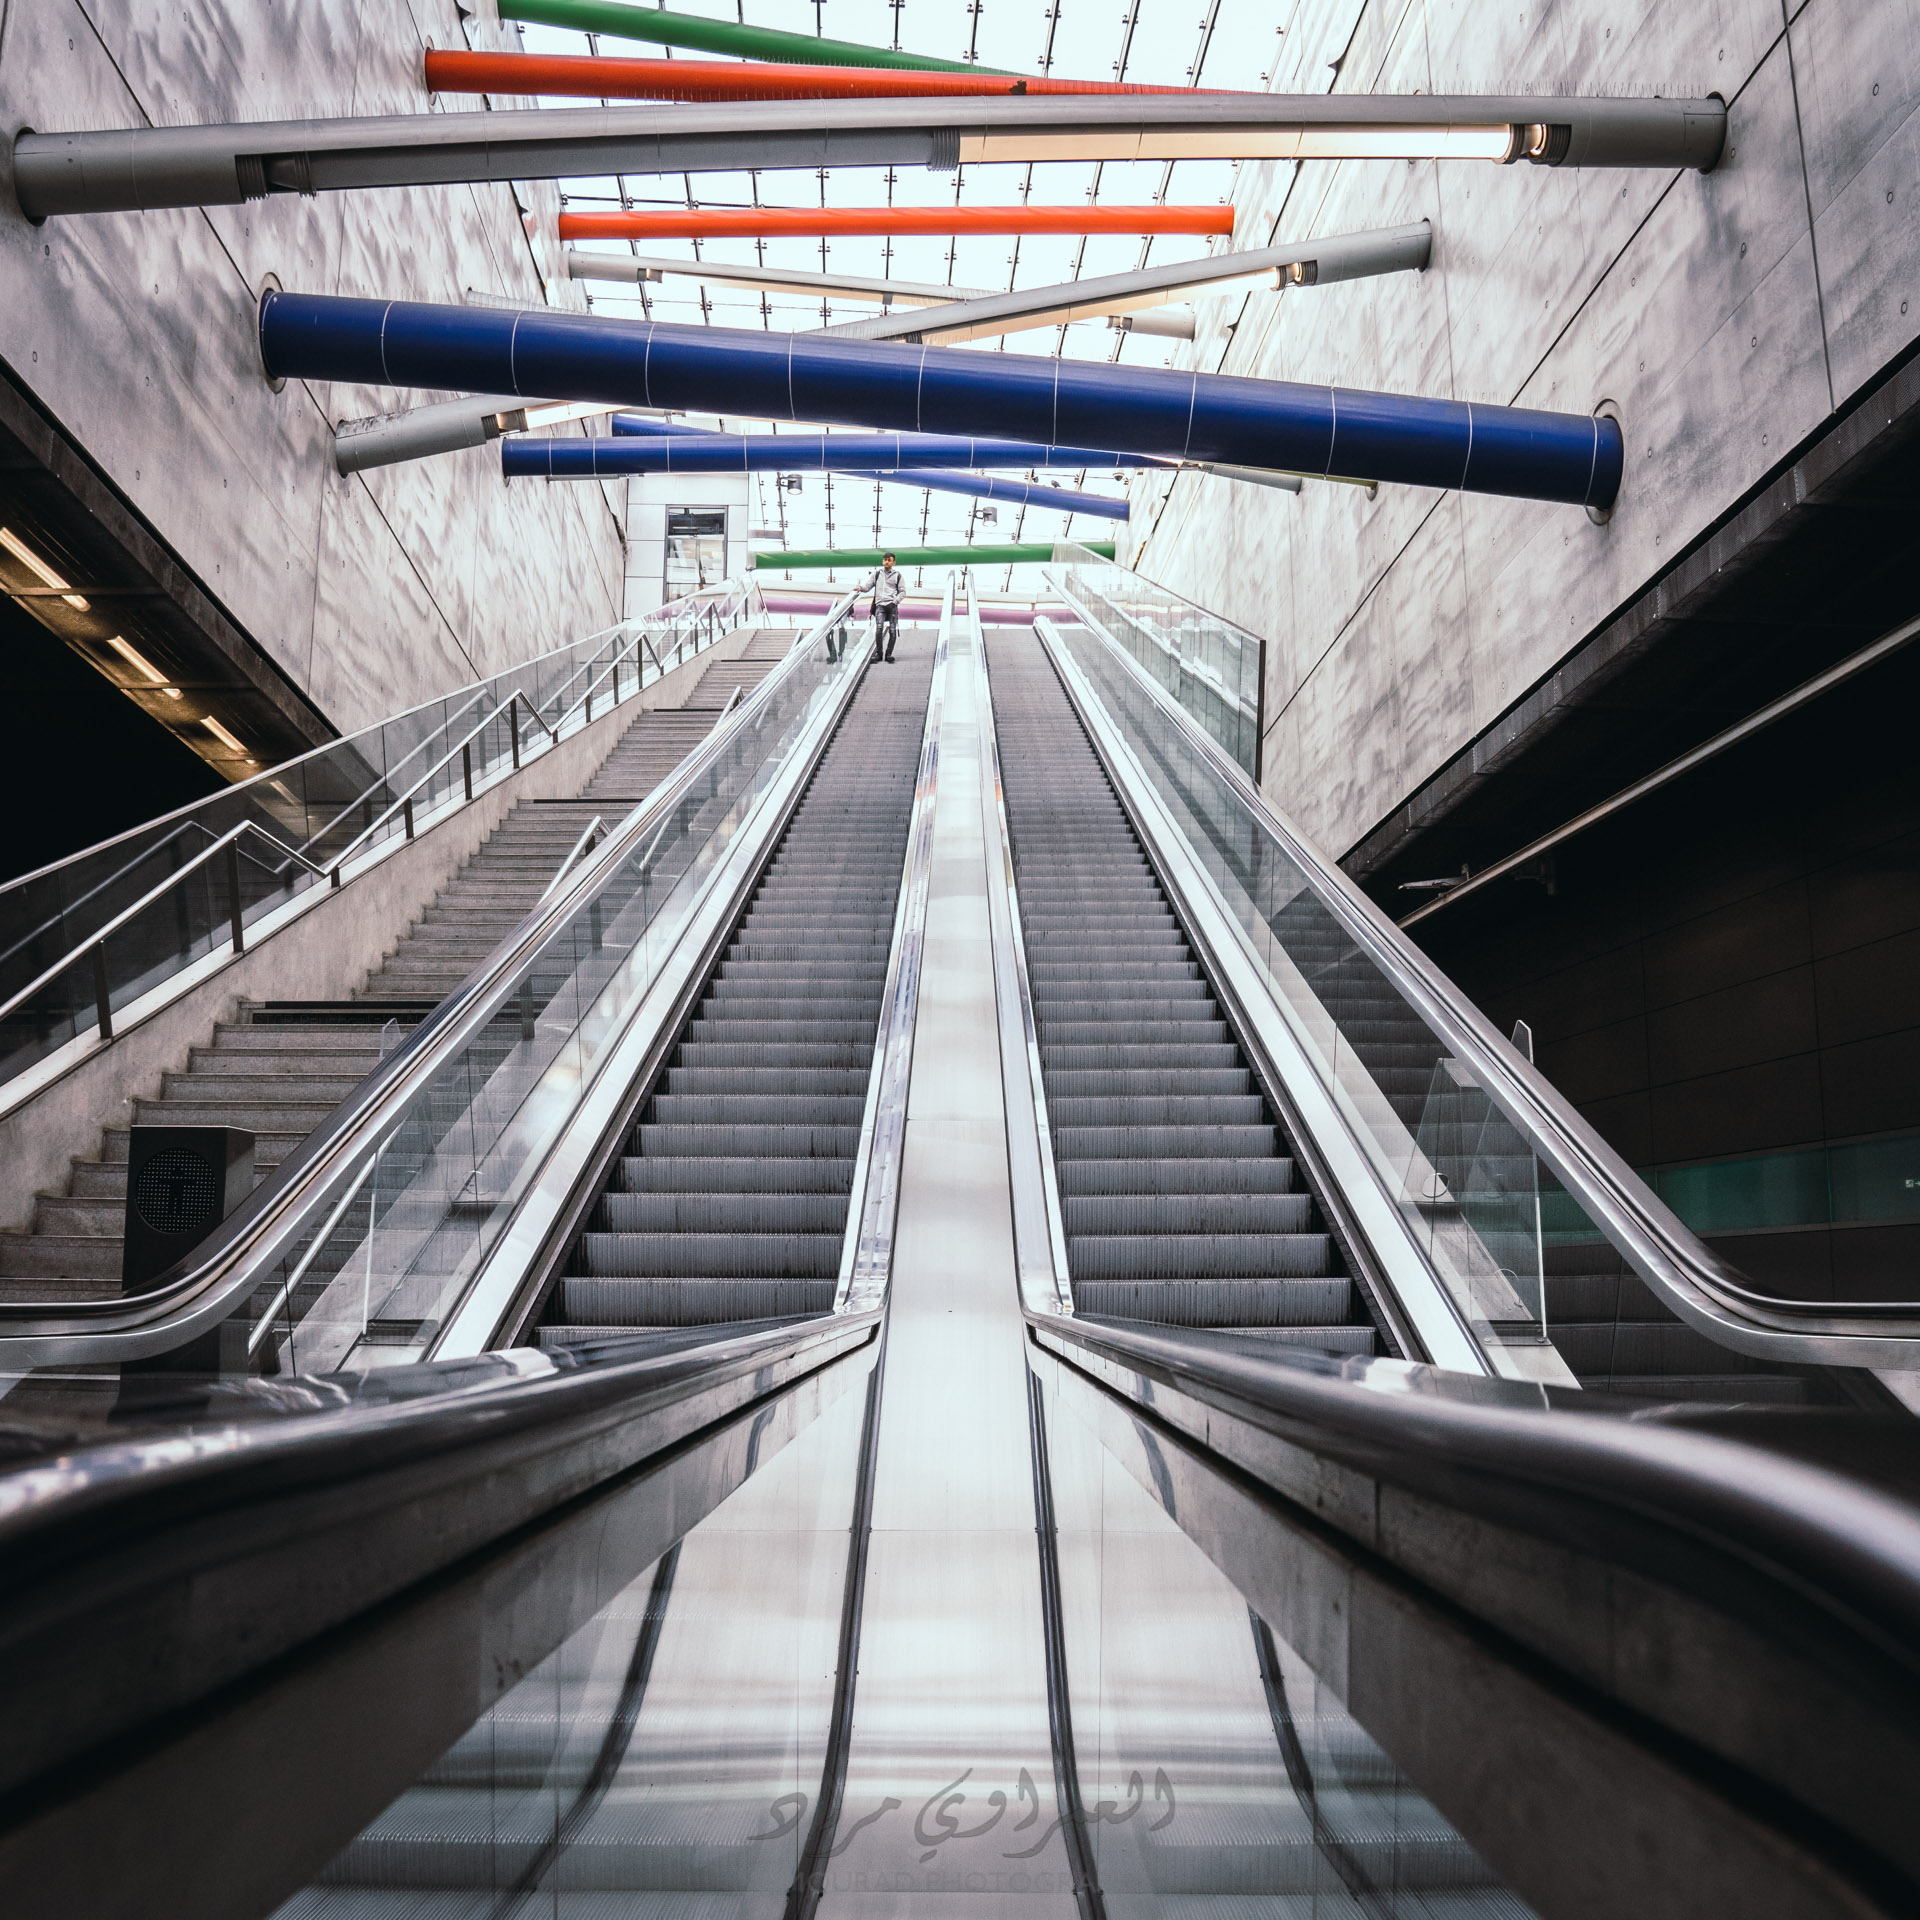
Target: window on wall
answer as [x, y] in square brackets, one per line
[696, 548]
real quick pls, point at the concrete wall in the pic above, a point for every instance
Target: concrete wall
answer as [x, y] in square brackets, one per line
[1727, 316]
[136, 331]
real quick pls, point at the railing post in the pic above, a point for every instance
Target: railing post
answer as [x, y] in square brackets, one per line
[233, 896]
[102, 999]
[406, 813]
[513, 730]
[466, 767]
[589, 719]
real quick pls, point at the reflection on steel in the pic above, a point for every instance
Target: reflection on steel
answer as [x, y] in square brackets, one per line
[1346, 256]
[775, 223]
[1159, 412]
[134, 167]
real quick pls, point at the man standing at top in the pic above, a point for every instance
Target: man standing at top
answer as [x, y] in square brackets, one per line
[886, 586]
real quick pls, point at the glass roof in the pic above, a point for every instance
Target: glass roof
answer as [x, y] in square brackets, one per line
[1219, 43]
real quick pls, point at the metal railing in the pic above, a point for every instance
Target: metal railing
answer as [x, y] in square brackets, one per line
[1453, 1135]
[88, 937]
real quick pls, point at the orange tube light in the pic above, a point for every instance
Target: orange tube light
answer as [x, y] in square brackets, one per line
[768, 223]
[586, 77]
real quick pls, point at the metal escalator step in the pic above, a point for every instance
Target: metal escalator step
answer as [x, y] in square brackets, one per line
[1181, 1201]
[719, 1174]
[1246, 1255]
[723, 1212]
[1219, 1303]
[731, 1256]
[730, 1203]
[1165, 1143]
[1187, 1213]
[1199, 1174]
[591, 1300]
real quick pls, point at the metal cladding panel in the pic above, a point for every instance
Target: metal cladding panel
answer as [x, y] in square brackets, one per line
[867, 382]
[988, 394]
[1379, 436]
[1147, 408]
[1148, 411]
[300, 336]
[1264, 423]
[1509, 448]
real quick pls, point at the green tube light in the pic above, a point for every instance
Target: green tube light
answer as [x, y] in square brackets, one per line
[719, 36]
[1024, 553]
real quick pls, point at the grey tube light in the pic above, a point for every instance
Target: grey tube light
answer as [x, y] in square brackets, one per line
[133, 168]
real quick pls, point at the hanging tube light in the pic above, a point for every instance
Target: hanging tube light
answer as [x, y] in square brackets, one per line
[811, 453]
[780, 223]
[142, 167]
[644, 447]
[1163, 412]
[668, 29]
[597, 77]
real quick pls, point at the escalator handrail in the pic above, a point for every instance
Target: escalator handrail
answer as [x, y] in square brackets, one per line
[266, 1225]
[1688, 1275]
[1531, 1458]
[96, 1543]
[873, 1200]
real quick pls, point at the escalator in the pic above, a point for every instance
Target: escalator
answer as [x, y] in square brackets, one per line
[729, 1202]
[1127, 1550]
[1183, 1200]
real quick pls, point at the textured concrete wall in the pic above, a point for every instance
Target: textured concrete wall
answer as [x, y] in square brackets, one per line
[1726, 316]
[136, 331]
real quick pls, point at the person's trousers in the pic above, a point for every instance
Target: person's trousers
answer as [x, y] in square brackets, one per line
[886, 628]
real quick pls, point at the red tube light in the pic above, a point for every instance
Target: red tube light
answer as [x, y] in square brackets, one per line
[587, 77]
[761, 223]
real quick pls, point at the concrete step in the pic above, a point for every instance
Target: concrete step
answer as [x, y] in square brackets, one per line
[257, 1087]
[44, 1256]
[294, 1119]
[61, 1213]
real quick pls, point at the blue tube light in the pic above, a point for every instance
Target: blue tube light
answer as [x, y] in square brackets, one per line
[693, 451]
[1575, 458]
[853, 453]
[769, 453]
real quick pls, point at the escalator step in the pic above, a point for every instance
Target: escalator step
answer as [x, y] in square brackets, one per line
[1181, 1201]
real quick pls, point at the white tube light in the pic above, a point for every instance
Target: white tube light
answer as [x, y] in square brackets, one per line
[1492, 142]
[552, 415]
[35, 565]
[220, 733]
[139, 662]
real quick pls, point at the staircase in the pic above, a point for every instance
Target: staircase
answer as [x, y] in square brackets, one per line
[280, 1068]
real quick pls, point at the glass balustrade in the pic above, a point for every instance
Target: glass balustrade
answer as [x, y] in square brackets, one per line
[1213, 668]
[1466, 1182]
[376, 1280]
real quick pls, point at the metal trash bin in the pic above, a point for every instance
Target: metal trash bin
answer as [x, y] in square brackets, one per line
[181, 1183]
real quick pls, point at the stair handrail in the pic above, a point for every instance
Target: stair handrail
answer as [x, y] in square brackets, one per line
[1707, 1292]
[265, 1226]
[584, 845]
[95, 942]
[402, 807]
